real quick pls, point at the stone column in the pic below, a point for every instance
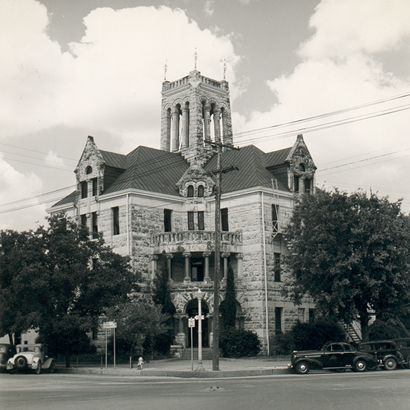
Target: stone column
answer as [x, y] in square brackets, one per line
[175, 129]
[226, 127]
[302, 184]
[168, 131]
[207, 122]
[180, 336]
[239, 259]
[217, 125]
[185, 127]
[169, 265]
[206, 276]
[154, 263]
[187, 277]
[225, 256]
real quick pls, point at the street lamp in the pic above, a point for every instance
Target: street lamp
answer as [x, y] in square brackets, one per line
[199, 295]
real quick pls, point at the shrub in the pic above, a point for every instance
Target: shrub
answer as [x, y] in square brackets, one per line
[384, 330]
[283, 344]
[315, 335]
[239, 343]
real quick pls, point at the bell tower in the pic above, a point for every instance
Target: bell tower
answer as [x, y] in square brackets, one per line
[195, 110]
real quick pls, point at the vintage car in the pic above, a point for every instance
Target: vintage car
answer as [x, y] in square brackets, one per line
[332, 356]
[30, 357]
[387, 352]
[403, 344]
[6, 351]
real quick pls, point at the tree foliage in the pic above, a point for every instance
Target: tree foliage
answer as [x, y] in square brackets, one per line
[351, 253]
[138, 321]
[65, 279]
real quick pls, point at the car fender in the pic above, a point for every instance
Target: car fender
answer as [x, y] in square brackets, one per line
[48, 364]
[310, 360]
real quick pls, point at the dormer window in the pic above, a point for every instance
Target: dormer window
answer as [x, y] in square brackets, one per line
[302, 167]
[190, 191]
[88, 170]
[84, 189]
[201, 191]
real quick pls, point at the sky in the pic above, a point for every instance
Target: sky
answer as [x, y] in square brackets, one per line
[69, 69]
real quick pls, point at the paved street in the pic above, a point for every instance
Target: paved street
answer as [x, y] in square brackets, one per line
[372, 390]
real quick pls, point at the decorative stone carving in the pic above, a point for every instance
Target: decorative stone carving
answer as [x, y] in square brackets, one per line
[195, 175]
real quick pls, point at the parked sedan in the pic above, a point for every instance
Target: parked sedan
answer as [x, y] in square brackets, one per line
[387, 352]
[333, 356]
[30, 357]
[6, 351]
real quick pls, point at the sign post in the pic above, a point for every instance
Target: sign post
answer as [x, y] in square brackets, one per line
[200, 318]
[106, 326]
[191, 325]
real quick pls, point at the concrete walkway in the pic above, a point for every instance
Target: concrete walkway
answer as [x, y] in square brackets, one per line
[182, 368]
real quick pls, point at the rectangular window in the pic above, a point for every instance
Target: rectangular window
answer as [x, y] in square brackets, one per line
[167, 220]
[95, 186]
[275, 223]
[191, 223]
[301, 315]
[201, 221]
[84, 220]
[224, 220]
[278, 320]
[276, 267]
[311, 315]
[296, 184]
[94, 218]
[308, 183]
[115, 220]
[84, 189]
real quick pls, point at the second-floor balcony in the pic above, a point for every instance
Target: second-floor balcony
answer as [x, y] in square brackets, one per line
[195, 241]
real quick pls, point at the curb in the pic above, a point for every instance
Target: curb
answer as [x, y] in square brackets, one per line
[204, 374]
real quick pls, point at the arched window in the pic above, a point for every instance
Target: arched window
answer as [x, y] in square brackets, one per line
[201, 191]
[190, 192]
[88, 170]
[302, 167]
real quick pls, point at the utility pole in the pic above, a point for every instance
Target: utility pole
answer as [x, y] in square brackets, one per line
[218, 177]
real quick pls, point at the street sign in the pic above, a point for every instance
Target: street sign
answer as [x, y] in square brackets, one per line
[109, 325]
[191, 322]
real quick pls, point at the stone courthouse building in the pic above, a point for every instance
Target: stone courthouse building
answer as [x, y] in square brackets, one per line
[157, 206]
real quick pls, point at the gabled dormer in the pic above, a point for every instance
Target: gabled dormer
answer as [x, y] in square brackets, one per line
[196, 183]
[90, 171]
[301, 168]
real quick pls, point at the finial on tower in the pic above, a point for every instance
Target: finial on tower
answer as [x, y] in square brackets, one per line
[165, 70]
[195, 59]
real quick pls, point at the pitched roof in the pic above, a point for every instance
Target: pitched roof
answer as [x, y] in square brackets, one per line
[154, 170]
[252, 166]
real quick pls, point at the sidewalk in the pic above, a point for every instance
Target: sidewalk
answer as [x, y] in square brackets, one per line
[256, 366]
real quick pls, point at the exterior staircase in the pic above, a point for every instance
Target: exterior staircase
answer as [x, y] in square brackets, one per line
[206, 353]
[353, 332]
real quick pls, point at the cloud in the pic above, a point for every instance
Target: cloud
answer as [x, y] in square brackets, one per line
[53, 159]
[110, 79]
[14, 186]
[209, 7]
[341, 68]
[346, 27]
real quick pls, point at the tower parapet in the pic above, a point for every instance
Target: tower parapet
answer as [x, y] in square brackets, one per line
[195, 110]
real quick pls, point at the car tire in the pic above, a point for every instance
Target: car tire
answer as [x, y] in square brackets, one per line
[20, 363]
[302, 367]
[360, 365]
[390, 363]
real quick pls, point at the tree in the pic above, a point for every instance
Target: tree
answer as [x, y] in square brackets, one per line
[137, 321]
[66, 280]
[351, 253]
[162, 297]
[228, 307]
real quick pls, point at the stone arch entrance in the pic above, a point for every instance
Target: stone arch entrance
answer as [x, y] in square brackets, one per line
[191, 310]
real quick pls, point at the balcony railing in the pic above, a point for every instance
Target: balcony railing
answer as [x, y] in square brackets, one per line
[204, 239]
